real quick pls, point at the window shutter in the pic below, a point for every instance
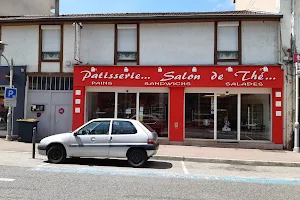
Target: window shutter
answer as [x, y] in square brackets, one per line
[127, 40]
[51, 40]
[227, 38]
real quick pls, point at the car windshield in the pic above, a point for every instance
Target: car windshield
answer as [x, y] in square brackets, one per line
[148, 127]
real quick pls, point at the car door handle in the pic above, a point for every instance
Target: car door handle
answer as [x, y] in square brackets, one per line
[93, 139]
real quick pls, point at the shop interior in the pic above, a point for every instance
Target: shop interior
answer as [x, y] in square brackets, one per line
[255, 117]
[152, 108]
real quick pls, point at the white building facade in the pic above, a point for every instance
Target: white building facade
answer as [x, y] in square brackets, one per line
[195, 78]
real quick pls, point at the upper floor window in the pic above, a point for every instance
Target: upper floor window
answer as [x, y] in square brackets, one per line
[127, 43]
[51, 39]
[228, 42]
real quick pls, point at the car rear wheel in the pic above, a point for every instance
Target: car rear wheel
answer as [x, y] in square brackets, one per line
[137, 157]
[56, 154]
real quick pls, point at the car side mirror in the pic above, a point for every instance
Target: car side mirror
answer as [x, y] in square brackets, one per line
[75, 134]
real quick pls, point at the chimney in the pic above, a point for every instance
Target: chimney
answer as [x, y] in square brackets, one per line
[56, 8]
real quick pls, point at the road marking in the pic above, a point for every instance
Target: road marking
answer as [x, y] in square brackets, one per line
[15, 152]
[168, 175]
[44, 164]
[8, 151]
[184, 168]
[7, 179]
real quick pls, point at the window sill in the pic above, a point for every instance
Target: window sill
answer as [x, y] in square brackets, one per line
[126, 60]
[228, 60]
[50, 61]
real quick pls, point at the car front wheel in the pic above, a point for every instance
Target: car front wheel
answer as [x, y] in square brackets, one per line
[137, 158]
[56, 154]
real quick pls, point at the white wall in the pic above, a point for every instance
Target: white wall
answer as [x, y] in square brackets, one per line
[50, 66]
[26, 7]
[259, 42]
[22, 45]
[69, 45]
[97, 44]
[175, 44]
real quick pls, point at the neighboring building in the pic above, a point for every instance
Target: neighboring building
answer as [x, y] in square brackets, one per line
[290, 42]
[196, 78]
[262, 5]
[26, 7]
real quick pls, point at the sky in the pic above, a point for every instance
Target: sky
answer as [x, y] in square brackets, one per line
[117, 6]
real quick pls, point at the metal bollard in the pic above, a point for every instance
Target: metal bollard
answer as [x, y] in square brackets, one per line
[33, 142]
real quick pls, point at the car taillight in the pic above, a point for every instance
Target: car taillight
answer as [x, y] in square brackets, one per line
[151, 141]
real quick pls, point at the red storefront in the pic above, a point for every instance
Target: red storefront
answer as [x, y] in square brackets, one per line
[231, 103]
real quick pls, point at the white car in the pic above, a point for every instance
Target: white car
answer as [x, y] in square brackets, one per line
[108, 138]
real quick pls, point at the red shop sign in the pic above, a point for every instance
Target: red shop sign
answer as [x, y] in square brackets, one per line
[179, 76]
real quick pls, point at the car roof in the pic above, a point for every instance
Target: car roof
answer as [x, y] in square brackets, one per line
[119, 119]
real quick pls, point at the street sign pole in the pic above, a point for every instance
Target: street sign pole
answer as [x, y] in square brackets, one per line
[9, 114]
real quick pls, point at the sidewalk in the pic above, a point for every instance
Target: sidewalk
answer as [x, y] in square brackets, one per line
[201, 154]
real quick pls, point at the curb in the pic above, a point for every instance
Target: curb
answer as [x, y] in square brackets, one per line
[228, 161]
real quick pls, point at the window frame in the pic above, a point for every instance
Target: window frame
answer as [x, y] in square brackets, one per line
[137, 59]
[238, 60]
[112, 128]
[50, 27]
[98, 121]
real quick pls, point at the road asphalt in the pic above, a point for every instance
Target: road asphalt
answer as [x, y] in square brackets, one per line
[24, 178]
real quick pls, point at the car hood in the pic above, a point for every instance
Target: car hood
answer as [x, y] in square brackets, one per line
[61, 137]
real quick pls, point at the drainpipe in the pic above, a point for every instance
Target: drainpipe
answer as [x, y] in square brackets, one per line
[56, 8]
[294, 50]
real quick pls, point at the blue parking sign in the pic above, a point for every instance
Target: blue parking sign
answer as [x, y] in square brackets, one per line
[10, 93]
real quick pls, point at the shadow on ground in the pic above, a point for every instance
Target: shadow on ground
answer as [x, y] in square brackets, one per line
[115, 163]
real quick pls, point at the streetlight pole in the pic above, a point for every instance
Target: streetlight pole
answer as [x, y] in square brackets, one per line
[11, 71]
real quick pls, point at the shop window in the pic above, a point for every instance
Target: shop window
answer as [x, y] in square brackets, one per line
[255, 117]
[51, 36]
[3, 111]
[50, 83]
[100, 105]
[127, 105]
[227, 116]
[126, 43]
[153, 111]
[199, 116]
[227, 41]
